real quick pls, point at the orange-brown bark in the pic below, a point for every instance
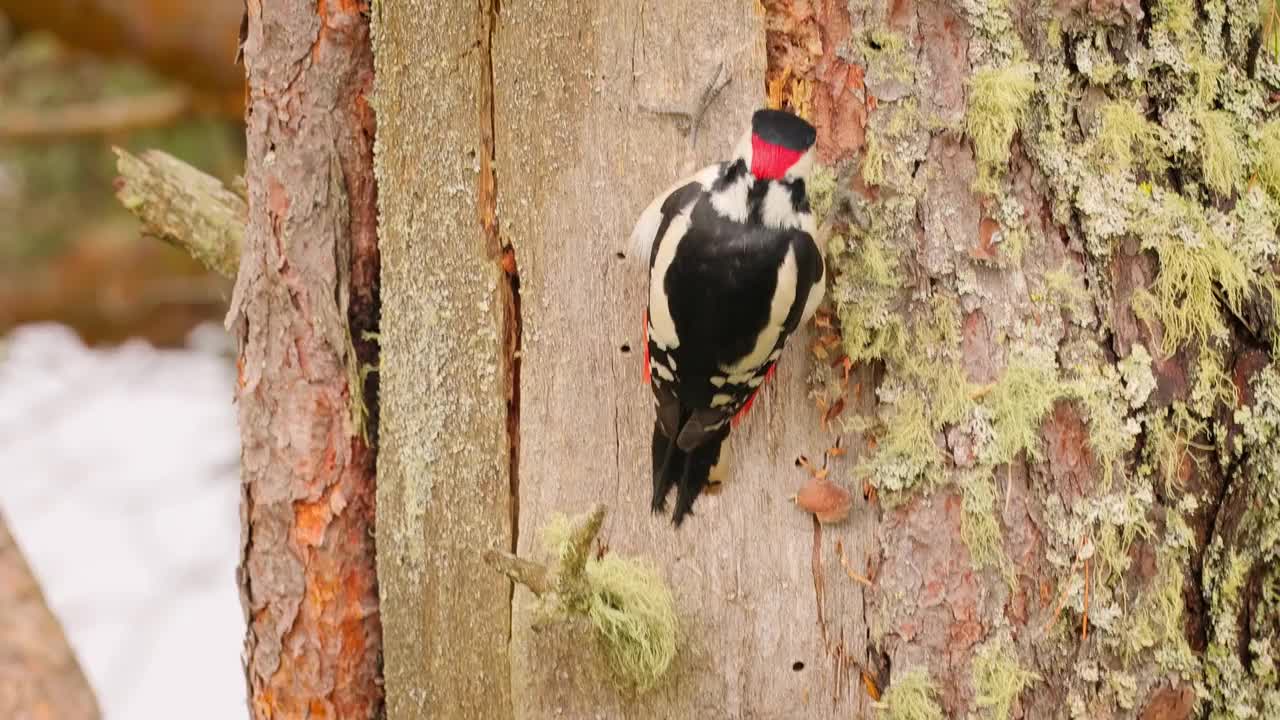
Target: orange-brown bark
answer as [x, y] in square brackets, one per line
[306, 289]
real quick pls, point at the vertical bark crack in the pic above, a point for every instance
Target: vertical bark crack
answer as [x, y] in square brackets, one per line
[505, 255]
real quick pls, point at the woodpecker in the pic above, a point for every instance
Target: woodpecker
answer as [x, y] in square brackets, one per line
[733, 271]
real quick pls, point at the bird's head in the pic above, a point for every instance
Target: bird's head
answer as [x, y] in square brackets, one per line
[778, 146]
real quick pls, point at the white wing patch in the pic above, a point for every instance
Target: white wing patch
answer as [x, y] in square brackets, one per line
[643, 234]
[661, 325]
[784, 295]
[815, 296]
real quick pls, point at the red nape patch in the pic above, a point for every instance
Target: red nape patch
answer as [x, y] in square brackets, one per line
[769, 161]
[646, 347]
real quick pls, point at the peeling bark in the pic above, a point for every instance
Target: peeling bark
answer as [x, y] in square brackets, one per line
[307, 287]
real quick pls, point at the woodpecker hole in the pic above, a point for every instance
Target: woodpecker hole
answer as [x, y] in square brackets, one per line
[620, 255]
[626, 348]
[797, 666]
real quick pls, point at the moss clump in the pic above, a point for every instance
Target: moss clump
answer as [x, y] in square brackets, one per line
[1197, 269]
[1123, 135]
[907, 453]
[1018, 402]
[998, 99]
[821, 189]
[1220, 154]
[998, 679]
[911, 697]
[627, 602]
[1156, 621]
[1268, 153]
[979, 527]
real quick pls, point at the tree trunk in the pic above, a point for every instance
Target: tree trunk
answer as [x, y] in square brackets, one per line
[305, 297]
[40, 678]
[1048, 353]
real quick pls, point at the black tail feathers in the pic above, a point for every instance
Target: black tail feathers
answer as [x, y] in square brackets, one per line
[687, 471]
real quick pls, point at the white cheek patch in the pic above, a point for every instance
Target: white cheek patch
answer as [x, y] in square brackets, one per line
[802, 167]
[731, 202]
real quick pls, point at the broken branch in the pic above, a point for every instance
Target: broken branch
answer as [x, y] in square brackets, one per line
[184, 207]
[565, 579]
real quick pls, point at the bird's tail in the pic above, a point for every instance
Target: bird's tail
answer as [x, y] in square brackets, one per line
[687, 471]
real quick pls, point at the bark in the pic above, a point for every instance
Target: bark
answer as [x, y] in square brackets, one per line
[192, 42]
[305, 295]
[1055, 523]
[40, 678]
[576, 158]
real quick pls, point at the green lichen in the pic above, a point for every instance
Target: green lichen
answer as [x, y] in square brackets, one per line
[998, 99]
[1155, 622]
[1268, 154]
[979, 527]
[1220, 153]
[911, 697]
[1017, 403]
[821, 189]
[628, 604]
[1124, 135]
[1198, 270]
[1240, 679]
[998, 679]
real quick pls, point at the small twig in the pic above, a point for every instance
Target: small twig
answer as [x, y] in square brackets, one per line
[104, 117]
[529, 574]
[566, 578]
[844, 562]
[1084, 621]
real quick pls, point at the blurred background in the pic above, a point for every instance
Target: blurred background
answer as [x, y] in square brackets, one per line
[118, 444]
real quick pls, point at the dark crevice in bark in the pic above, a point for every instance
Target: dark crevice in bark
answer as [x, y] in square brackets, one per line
[505, 255]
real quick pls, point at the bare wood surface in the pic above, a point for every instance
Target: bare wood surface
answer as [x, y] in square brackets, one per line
[444, 483]
[40, 678]
[771, 626]
[184, 207]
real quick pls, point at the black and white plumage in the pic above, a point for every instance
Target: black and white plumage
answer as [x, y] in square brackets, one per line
[733, 271]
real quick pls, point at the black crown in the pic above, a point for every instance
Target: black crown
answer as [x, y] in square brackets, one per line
[778, 127]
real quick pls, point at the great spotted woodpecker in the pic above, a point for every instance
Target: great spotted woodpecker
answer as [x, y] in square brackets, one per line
[733, 271]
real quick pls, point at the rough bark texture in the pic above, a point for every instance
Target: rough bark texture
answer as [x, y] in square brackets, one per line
[305, 292]
[1048, 351]
[1032, 198]
[183, 207]
[40, 678]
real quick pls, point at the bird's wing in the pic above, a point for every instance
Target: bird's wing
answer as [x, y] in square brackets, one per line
[680, 194]
[735, 295]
